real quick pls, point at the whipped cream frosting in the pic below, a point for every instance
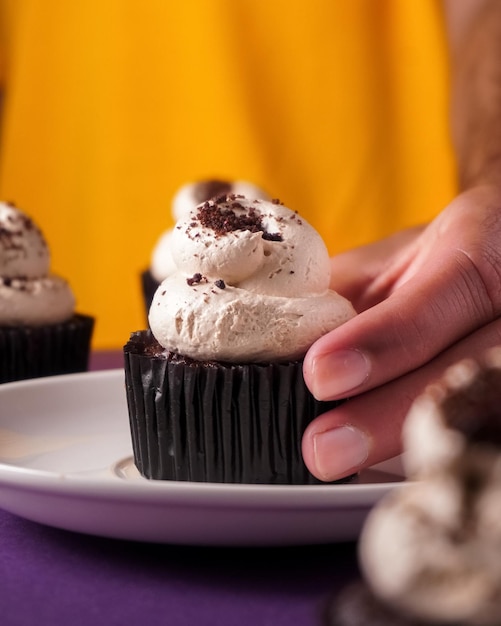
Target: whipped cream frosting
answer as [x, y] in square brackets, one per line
[251, 284]
[187, 198]
[432, 549]
[29, 294]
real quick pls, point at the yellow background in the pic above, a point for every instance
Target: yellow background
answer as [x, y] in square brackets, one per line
[337, 107]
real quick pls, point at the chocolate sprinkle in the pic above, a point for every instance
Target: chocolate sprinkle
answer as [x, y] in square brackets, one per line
[220, 283]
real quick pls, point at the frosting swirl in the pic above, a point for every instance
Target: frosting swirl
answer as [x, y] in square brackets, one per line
[29, 294]
[251, 284]
[187, 198]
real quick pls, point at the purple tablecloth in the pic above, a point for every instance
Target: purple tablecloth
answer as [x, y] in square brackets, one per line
[58, 578]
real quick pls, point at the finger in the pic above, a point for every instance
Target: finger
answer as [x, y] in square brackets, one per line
[366, 429]
[354, 273]
[443, 286]
[444, 302]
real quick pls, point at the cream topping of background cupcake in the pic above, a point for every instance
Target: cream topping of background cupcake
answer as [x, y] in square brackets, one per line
[251, 284]
[29, 294]
[187, 198]
[41, 334]
[433, 549]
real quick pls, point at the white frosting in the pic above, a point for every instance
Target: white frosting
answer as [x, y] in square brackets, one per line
[429, 444]
[186, 199]
[29, 295]
[258, 296]
[417, 557]
[432, 548]
[23, 250]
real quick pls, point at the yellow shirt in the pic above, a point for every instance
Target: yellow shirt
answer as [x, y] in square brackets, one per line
[337, 107]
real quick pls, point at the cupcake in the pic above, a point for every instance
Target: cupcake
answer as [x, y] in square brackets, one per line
[431, 553]
[215, 387]
[186, 199]
[40, 334]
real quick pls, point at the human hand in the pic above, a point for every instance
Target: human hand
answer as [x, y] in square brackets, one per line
[426, 298]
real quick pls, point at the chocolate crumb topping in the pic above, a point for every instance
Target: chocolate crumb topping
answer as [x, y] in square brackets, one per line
[220, 283]
[223, 219]
[195, 279]
[476, 410]
[223, 197]
[272, 236]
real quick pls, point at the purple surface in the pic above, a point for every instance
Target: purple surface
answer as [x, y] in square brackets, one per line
[54, 577]
[106, 360]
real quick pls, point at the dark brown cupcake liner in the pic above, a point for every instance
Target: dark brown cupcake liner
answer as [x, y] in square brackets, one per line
[37, 351]
[148, 286]
[216, 422]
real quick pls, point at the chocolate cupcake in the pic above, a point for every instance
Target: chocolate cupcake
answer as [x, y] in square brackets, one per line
[40, 334]
[187, 198]
[215, 389]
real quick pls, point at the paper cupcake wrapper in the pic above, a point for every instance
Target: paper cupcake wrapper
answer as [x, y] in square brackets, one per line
[34, 352]
[216, 422]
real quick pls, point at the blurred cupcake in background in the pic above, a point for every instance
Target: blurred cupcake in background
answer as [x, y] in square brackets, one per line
[187, 198]
[40, 333]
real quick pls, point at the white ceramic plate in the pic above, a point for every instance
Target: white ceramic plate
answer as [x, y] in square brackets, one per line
[66, 461]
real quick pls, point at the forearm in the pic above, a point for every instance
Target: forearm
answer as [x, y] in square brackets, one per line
[476, 91]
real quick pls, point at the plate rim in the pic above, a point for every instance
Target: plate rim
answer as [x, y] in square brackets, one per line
[106, 486]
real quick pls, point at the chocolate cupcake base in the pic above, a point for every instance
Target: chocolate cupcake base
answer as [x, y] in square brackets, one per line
[356, 605]
[216, 422]
[37, 351]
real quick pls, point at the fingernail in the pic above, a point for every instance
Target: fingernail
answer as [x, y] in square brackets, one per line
[336, 373]
[339, 452]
